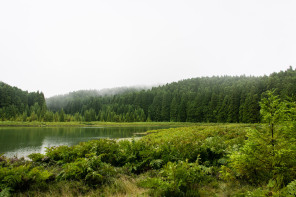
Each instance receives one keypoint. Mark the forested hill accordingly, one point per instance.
(205, 99)
(14, 101)
(58, 102)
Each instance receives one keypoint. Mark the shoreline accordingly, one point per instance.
(96, 124)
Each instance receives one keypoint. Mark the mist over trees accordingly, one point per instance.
(60, 101)
(232, 99)
(206, 99)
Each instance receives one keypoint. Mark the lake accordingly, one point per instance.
(22, 141)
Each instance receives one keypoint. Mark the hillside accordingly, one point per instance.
(232, 99)
(58, 102)
(203, 99)
(14, 101)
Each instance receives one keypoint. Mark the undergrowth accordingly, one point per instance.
(186, 161)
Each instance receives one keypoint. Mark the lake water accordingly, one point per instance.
(22, 141)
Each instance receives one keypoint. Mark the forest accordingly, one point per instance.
(16, 104)
(217, 99)
(202, 160)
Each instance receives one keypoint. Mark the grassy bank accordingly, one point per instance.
(183, 161)
(92, 124)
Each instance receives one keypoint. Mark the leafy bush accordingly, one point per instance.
(178, 179)
(91, 170)
(61, 154)
(66, 154)
(135, 155)
(23, 177)
(290, 189)
(5, 192)
(36, 157)
(210, 145)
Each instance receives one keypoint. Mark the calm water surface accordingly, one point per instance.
(22, 141)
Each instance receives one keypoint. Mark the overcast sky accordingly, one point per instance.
(59, 46)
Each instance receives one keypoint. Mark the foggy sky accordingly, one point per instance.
(60, 46)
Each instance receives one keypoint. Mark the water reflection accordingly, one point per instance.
(24, 141)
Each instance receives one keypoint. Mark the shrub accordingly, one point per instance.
(23, 177)
(268, 155)
(91, 170)
(178, 179)
(66, 154)
(36, 157)
(290, 189)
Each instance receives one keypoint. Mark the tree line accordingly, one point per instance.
(233, 99)
(16, 104)
(205, 160)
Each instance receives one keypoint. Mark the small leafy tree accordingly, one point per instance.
(268, 155)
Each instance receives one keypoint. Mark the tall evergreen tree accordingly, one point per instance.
(174, 110)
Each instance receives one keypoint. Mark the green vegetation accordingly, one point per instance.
(208, 99)
(268, 155)
(155, 164)
(95, 124)
(16, 104)
(203, 160)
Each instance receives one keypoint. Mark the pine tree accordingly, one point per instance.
(182, 115)
(268, 155)
(165, 107)
(174, 110)
(62, 115)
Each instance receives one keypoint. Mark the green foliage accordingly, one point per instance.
(290, 189)
(62, 115)
(16, 104)
(260, 160)
(259, 192)
(65, 154)
(5, 192)
(214, 99)
(268, 155)
(134, 155)
(16, 176)
(272, 109)
(177, 179)
(91, 170)
(36, 157)
(184, 161)
(210, 144)
(49, 116)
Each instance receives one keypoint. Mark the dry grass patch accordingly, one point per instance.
(124, 186)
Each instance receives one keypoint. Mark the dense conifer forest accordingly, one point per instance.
(22, 105)
(232, 99)
(206, 99)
